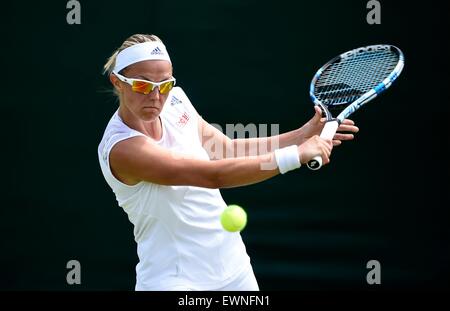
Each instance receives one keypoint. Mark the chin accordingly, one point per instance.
(151, 116)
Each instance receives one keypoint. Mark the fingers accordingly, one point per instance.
(316, 146)
(318, 114)
(318, 110)
(348, 128)
(339, 136)
(325, 157)
(348, 121)
(327, 145)
(336, 142)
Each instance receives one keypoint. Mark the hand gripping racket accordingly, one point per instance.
(350, 80)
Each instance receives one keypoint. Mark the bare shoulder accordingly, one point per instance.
(141, 159)
(128, 146)
(124, 154)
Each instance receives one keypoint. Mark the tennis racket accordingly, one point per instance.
(349, 81)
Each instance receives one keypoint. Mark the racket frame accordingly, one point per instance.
(330, 130)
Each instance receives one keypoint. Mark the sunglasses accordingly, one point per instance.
(146, 87)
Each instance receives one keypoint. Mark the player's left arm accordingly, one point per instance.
(220, 146)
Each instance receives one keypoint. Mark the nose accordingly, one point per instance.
(154, 94)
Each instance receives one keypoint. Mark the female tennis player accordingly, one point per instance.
(157, 156)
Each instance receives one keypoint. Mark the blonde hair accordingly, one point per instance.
(132, 40)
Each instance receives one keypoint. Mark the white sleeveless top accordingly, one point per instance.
(180, 241)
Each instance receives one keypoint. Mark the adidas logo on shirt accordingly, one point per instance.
(175, 101)
(157, 51)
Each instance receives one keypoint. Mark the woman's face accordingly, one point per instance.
(144, 107)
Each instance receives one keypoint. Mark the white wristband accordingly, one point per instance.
(287, 158)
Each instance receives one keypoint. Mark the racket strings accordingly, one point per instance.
(347, 79)
(365, 66)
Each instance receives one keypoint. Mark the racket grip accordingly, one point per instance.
(328, 132)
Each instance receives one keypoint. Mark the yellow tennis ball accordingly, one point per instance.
(233, 218)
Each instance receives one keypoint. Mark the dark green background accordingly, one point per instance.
(384, 196)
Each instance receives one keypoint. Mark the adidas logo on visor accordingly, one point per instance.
(157, 51)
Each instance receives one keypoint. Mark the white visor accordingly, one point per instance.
(151, 50)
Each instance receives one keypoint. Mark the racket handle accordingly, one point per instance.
(328, 132)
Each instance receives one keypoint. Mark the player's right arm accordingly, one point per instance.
(140, 159)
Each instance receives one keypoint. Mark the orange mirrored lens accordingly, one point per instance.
(147, 87)
(142, 87)
(166, 87)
